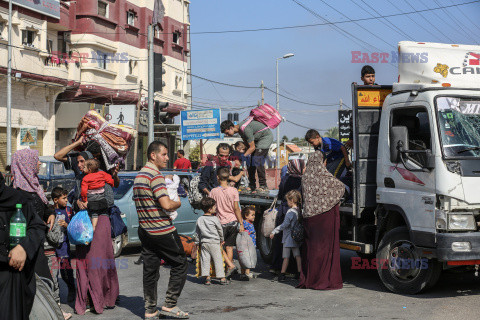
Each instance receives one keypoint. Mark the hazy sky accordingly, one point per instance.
(321, 71)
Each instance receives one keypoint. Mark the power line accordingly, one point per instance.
(458, 5)
(251, 87)
(463, 13)
(333, 23)
(454, 19)
(356, 23)
(419, 12)
(343, 32)
(299, 125)
(411, 19)
(395, 28)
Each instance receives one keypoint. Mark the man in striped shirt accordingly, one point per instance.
(158, 235)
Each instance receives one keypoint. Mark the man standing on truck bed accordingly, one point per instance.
(258, 138)
(334, 152)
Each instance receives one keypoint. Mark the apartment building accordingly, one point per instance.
(86, 54)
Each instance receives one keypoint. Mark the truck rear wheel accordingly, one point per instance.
(400, 268)
(264, 244)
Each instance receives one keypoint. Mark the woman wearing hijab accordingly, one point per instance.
(321, 250)
(291, 181)
(96, 273)
(17, 266)
(25, 167)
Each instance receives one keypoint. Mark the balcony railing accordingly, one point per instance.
(55, 61)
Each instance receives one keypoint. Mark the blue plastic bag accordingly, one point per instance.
(80, 229)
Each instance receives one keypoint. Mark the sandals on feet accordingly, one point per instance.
(175, 313)
(154, 317)
(223, 282)
(231, 272)
(208, 282)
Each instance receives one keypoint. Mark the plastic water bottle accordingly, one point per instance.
(18, 227)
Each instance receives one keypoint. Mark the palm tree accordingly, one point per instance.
(332, 133)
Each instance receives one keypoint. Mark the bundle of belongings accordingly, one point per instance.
(115, 140)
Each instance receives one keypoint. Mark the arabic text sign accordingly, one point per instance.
(344, 120)
(200, 124)
(372, 98)
(49, 8)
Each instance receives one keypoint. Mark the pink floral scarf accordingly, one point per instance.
(25, 172)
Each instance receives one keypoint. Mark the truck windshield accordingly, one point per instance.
(459, 125)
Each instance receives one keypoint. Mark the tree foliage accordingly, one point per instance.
(195, 154)
(332, 133)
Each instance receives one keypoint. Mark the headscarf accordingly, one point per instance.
(295, 167)
(321, 190)
(24, 170)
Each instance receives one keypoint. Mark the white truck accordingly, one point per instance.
(416, 169)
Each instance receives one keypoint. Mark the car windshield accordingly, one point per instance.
(459, 125)
(125, 185)
(43, 169)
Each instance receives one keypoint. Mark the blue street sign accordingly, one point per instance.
(200, 124)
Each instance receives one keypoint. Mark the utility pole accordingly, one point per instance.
(137, 124)
(341, 104)
(9, 86)
(263, 94)
(151, 81)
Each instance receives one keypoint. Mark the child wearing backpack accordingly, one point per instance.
(294, 200)
(210, 238)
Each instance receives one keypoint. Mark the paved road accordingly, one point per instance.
(456, 296)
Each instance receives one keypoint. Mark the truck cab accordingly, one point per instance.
(416, 167)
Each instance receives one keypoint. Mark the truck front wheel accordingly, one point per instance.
(400, 268)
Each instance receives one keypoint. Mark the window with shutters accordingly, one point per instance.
(103, 9)
(131, 18)
(49, 46)
(2, 28)
(28, 38)
(102, 60)
(176, 37)
(61, 43)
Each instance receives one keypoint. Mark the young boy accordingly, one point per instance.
(210, 238)
(93, 189)
(228, 211)
(248, 215)
(368, 75)
(333, 150)
(62, 218)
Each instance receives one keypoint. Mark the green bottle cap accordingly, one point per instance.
(18, 206)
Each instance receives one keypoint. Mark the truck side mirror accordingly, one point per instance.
(430, 161)
(398, 136)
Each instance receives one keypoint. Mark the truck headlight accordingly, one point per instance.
(440, 219)
(461, 221)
